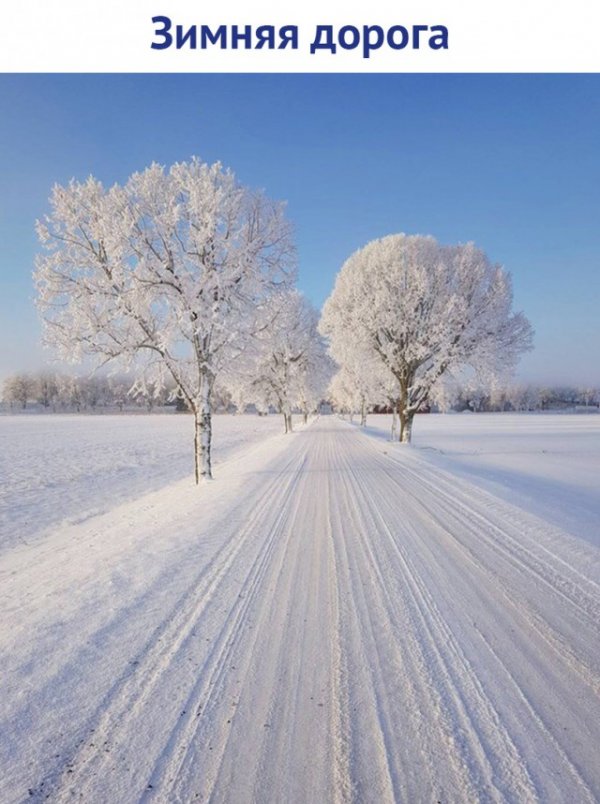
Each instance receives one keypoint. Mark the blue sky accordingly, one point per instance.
(511, 162)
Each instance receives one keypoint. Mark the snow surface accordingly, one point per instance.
(66, 468)
(334, 619)
(547, 463)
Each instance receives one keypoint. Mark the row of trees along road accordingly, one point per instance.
(183, 276)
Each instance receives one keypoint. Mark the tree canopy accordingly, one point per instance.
(166, 274)
(424, 310)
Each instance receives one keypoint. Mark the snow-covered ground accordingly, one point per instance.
(65, 468)
(548, 464)
(334, 619)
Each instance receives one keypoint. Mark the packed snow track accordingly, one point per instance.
(331, 620)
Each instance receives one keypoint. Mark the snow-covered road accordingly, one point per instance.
(332, 620)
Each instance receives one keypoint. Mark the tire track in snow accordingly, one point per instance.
(442, 504)
(373, 752)
(422, 503)
(472, 724)
(341, 716)
(503, 610)
(289, 707)
(176, 770)
(515, 596)
(454, 520)
(469, 724)
(558, 572)
(108, 730)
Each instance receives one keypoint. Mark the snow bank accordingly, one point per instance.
(65, 469)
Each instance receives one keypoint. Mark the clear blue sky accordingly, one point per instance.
(511, 162)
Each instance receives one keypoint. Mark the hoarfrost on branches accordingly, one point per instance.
(357, 385)
(166, 274)
(425, 311)
(289, 366)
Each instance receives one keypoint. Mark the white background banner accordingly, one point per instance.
(111, 36)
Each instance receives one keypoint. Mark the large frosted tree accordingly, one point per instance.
(166, 274)
(425, 310)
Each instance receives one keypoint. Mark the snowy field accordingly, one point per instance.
(547, 463)
(334, 619)
(66, 468)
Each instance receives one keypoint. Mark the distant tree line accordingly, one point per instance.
(55, 392)
(60, 392)
(277, 385)
(500, 399)
(521, 398)
(471, 397)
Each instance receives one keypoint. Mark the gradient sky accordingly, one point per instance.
(511, 162)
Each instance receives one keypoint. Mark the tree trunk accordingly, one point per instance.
(203, 434)
(363, 413)
(404, 412)
(305, 416)
(394, 421)
(406, 420)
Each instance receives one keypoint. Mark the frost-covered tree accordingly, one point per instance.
(522, 397)
(221, 397)
(314, 376)
(386, 392)
(445, 394)
(164, 275)
(478, 397)
(361, 374)
(94, 391)
(46, 389)
(118, 391)
(342, 393)
(239, 393)
(18, 389)
(70, 392)
(589, 396)
(426, 310)
(287, 351)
